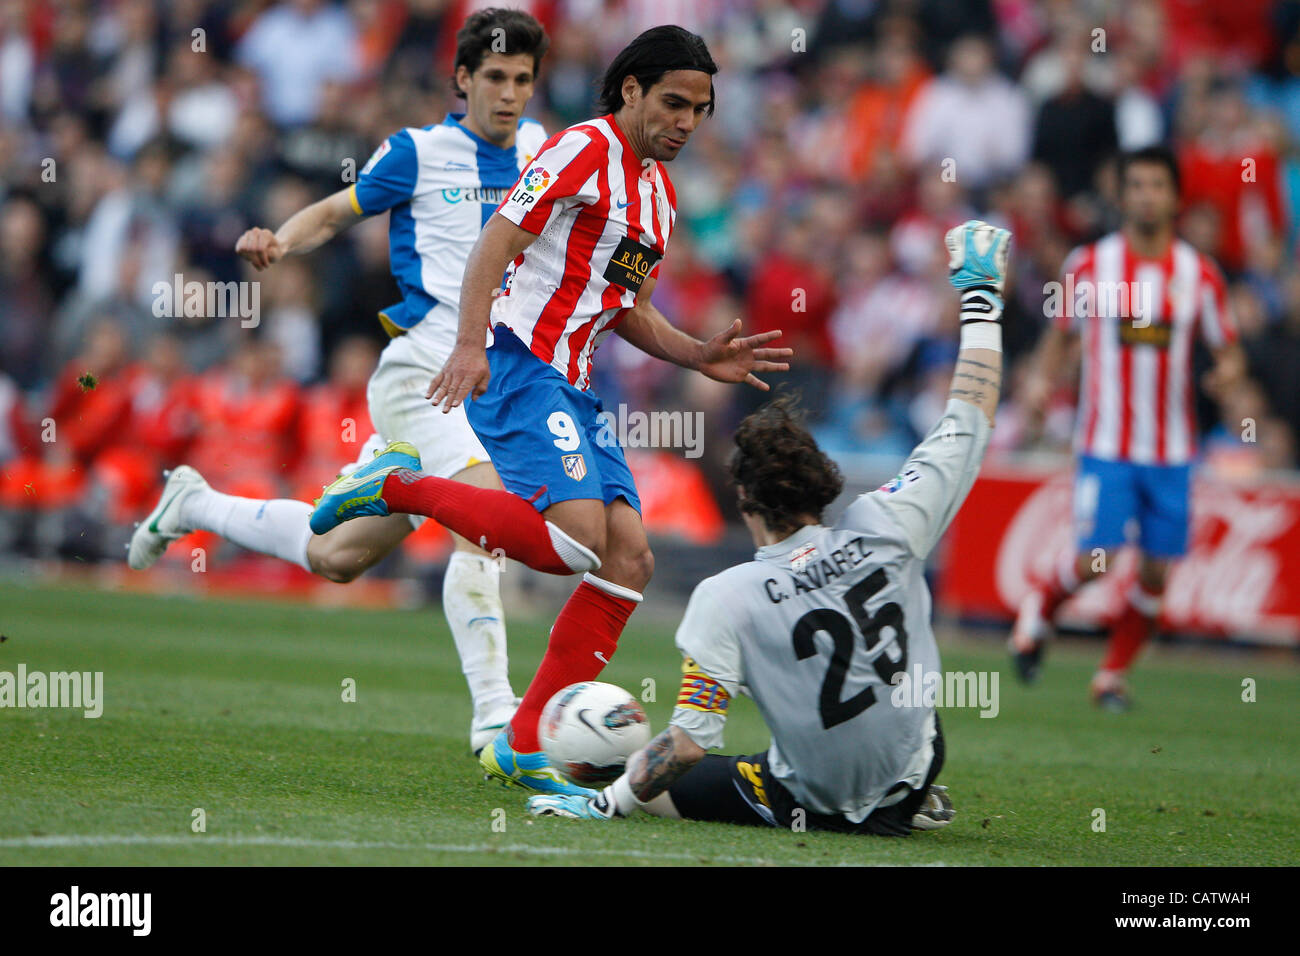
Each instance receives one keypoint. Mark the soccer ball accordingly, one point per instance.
(588, 731)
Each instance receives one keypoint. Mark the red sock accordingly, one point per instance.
(1131, 631)
(489, 517)
(582, 641)
(1063, 582)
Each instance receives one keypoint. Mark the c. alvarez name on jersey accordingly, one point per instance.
(813, 572)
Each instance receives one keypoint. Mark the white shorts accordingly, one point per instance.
(400, 412)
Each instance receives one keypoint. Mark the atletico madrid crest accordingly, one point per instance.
(574, 467)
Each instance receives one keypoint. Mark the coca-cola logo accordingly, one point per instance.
(1234, 572)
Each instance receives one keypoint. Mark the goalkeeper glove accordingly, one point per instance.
(977, 268)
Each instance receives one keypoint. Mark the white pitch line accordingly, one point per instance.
(92, 840)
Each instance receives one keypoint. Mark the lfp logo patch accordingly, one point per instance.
(898, 481)
(376, 156)
(536, 179)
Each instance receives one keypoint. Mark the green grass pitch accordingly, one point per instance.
(236, 708)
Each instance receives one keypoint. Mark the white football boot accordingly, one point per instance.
(484, 728)
(163, 526)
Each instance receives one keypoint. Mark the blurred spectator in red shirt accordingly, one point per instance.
(1237, 32)
(1232, 166)
(795, 293)
(247, 423)
(877, 111)
(881, 317)
(940, 205)
(793, 289)
(89, 410)
(155, 436)
(162, 405)
(334, 422)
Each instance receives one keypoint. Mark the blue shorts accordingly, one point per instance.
(546, 438)
(1110, 494)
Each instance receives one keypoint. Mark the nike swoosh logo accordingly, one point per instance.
(623, 205)
(582, 717)
(600, 657)
(153, 525)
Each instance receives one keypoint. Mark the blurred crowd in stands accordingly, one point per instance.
(139, 139)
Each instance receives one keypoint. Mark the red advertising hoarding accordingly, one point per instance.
(1240, 579)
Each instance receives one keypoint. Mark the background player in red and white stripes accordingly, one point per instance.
(1137, 300)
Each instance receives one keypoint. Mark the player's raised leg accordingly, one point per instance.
(277, 527)
(534, 425)
(496, 519)
(587, 630)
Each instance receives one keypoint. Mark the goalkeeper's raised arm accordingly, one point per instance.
(939, 473)
(977, 267)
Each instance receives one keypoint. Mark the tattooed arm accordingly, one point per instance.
(653, 770)
(934, 482)
(644, 786)
(977, 379)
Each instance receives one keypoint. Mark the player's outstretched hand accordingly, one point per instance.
(259, 247)
(466, 372)
(726, 358)
(977, 256)
(977, 268)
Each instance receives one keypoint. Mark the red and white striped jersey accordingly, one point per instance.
(602, 220)
(1138, 319)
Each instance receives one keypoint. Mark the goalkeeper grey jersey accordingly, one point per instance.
(816, 627)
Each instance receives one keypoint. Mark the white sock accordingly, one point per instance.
(277, 527)
(471, 599)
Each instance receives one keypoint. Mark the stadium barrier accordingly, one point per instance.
(1240, 580)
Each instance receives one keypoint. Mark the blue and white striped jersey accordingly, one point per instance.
(440, 184)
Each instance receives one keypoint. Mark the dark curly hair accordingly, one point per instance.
(780, 470)
(513, 31)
